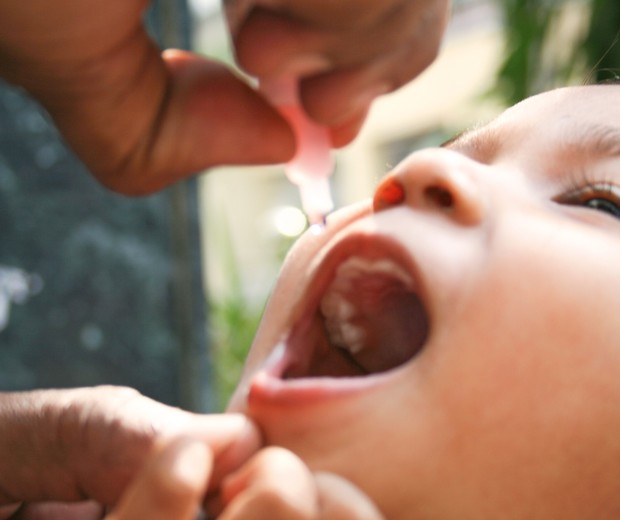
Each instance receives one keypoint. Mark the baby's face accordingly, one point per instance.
(454, 349)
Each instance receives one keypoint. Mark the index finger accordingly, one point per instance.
(232, 438)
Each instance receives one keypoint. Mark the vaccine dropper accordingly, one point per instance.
(312, 164)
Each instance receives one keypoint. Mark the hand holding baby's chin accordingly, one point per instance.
(98, 443)
(275, 483)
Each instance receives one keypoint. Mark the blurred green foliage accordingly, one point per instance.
(536, 58)
(233, 325)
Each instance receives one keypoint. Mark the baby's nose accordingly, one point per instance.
(435, 180)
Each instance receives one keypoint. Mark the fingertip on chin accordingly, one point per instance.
(246, 443)
(249, 441)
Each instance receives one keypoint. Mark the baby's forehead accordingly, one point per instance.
(588, 114)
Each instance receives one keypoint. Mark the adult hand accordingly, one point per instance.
(276, 484)
(139, 120)
(74, 445)
(347, 52)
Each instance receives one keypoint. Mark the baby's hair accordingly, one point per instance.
(614, 76)
(596, 71)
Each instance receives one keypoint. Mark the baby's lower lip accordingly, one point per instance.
(268, 388)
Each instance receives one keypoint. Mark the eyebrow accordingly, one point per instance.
(481, 141)
(597, 139)
(454, 139)
(458, 137)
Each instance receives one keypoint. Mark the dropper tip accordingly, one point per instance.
(318, 224)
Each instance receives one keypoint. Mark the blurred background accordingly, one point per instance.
(164, 293)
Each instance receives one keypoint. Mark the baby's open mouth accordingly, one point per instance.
(368, 318)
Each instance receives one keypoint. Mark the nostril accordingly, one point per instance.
(389, 193)
(440, 197)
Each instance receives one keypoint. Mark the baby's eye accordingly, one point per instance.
(599, 196)
(604, 205)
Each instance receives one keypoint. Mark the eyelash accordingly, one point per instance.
(600, 195)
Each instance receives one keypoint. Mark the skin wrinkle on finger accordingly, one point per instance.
(86, 428)
(210, 104)
(206, 103)
(143, 146)
(29, 415)
(140, 90)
